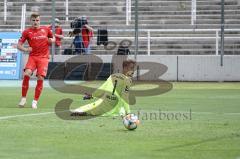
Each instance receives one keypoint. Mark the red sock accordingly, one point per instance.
(38, 89)
(25, 85)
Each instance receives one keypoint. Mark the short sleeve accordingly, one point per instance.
(24, 37)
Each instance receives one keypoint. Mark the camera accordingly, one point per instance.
(78, 23)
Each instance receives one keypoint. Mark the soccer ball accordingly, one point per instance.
(131, 121)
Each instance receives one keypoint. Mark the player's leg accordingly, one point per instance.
(100, 106)
(30, 66)
(25, 86)
(88, 107)
(42, 66)
(38, 91)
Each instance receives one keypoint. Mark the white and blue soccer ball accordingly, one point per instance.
(131, 121)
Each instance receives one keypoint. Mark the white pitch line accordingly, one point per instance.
(142, 111)
(24, 115)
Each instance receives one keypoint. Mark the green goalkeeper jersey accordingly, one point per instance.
(115, 93)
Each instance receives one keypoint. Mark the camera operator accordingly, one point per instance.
(83, 35)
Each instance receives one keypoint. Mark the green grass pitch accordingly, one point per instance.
(192, 121)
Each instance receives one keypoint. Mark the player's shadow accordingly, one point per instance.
(230, 136)
(124, 130)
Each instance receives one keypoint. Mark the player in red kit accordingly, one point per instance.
(38, 38)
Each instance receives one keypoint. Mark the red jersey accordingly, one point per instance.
(58, 30)
(86, 36)
(38, 40)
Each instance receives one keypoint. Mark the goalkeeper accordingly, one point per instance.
(112, 96)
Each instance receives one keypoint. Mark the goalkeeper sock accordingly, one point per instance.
(25, 85)
(38, 89)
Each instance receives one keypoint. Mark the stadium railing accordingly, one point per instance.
(148, 35)
(189, 32)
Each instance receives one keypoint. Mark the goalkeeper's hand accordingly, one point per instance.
(123, 113)
(87, 96)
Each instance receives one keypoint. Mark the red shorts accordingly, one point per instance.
(39, 63)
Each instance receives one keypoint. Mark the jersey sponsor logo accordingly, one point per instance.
(43, 31)
(39, 37)
(111, 97)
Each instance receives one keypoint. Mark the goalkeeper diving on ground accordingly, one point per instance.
(112, 97)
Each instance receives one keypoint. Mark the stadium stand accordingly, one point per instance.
(164, 26)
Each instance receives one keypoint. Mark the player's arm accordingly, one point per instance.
(51, 40)
(125, 101)
(126, 107)
(22, 48)
(21, 42)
